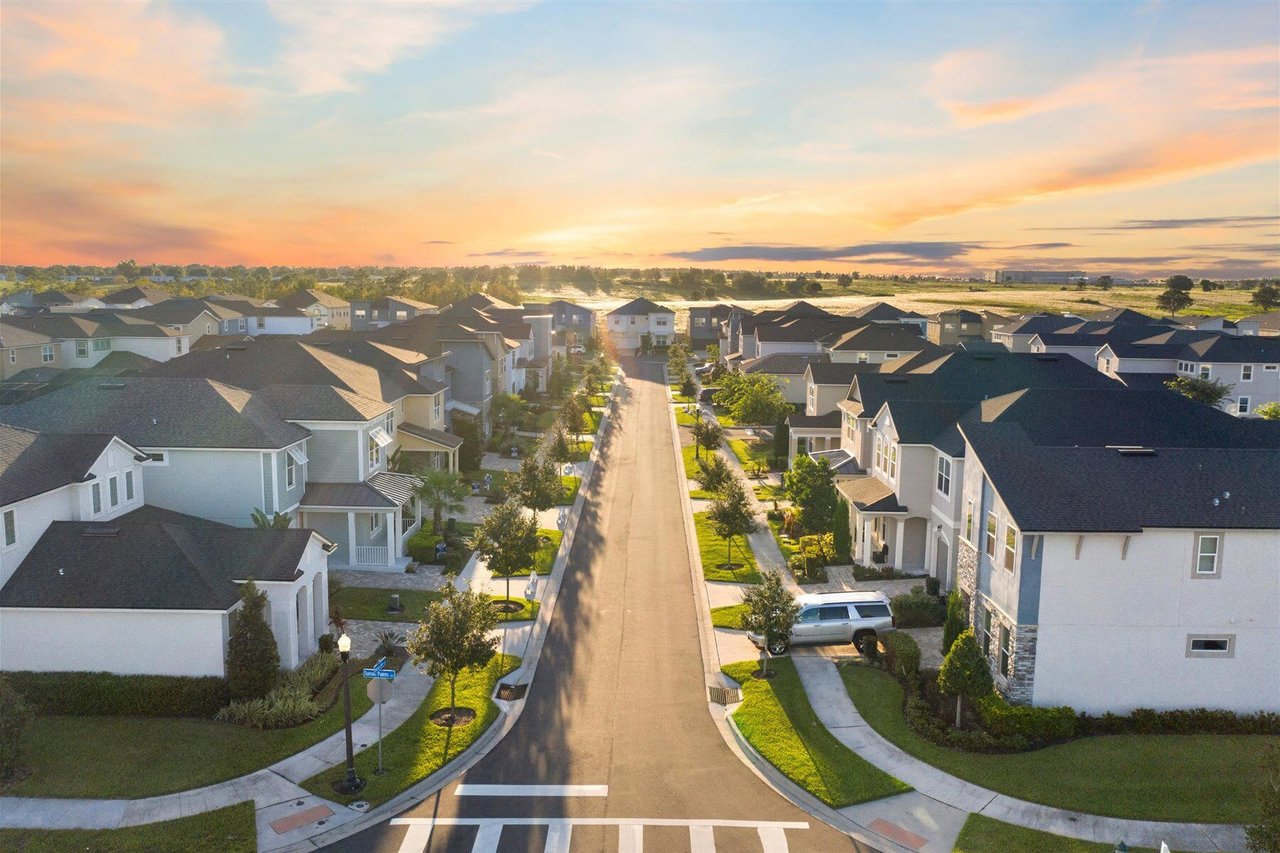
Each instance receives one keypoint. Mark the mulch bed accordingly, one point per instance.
(449, 717)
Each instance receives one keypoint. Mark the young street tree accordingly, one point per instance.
(1207, 391)
(572, 411)
(1269, 411)
(730, 515)
(1174, 300)
(964, 673)
(442, 491)
(508, 541)
(713, 474)
(811, 487)
(537, 484)
(771, 612)
(707, 435)
(954, 624)
(454, 636)
(252, 657)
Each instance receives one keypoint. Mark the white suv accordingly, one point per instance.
(835, 617)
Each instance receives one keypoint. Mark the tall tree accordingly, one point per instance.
(454, 636)
(811, 487)
(771, 613)
(252, 657)
(508, 541)
(760, 401)
(1207, 391)
(964, 673)
(471, 452)
(730, 515)
(442, 491)
(537, 484)
(1179, 282)
(1174, 300)
(841, 536)
(572, 411)
(1105, 282)
(504, 412)
(1266, 297)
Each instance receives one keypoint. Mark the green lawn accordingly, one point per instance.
(499, 477)
(419, 747)
(723, 416)
(598, 400)
(729, 616)
(983, 834)
(788, 547)
(776, 719)
(714, 552)
(756, 450)
(226, 830)
(1201, 778)
(683, 418)
(369, 603)
(178, 753)
(547, 549)
(690, 461)
(766, 492)
(570, 484)
(677, 397)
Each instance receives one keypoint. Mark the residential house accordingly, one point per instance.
(787, 369)
(44, 301)
(628, 324)
(1267, 325)
(23, 349)
(374, 314)
(137, 296)
(1137, 524)
(706, 325)
(876, 344)
(328, 311)
(948, 328)
(1016, 333)
(571, 324)
(255, 317)
(86, 339)
(884, 313)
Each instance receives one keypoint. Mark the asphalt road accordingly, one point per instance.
(619, 698)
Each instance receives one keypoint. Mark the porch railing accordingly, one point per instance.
(369, 555)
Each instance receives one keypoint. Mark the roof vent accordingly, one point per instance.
(101, 530)
(1046, 356)
(111, 386)
(984, 356)
(1132, 450)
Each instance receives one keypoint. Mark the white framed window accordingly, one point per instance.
(128, 485)
(1106, 365)
(993, 526)
(46, 354)
(13, 356)
(262, 322)
(1246, 373)
(374, 522)
(944, 476)
(243, 324)
(1211, 645)
(113, 488)
(1006, 650)
(1208, 560)
(986, 632)
(391, 422)
(101, 344)
(1010, 546)
(1242, 405)
(893, 461)
(10, 528)
(82, 349)
(968, 522)
(290, 471)
(1205, 370)
(208, 328)
(97, 498)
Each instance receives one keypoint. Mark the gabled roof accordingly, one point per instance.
(840, 372)
(179, 310)
(879, 338)
(783, 363)
(640, 306)
(321, 403)
(806, 328)
(32, 463)
(827, 420)
(870, 495)
(1032, 324)
(129, 295)
(883, 312)
(98, 324)
(384, 490)
(1124, 316)
(151, 559)
(22, 336)
(148, 411)
(962, 314)
(447, 439)
(923, 421)
(302, 299)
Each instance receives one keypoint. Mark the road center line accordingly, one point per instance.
(465, 790)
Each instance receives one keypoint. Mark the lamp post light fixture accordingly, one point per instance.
(351, 784)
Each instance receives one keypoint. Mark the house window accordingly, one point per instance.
(10, 529)
(1205, 370)
(1006, 650)
(968, 523)
(97, 498)
(46, 354)
(178, 342)
(82, 349)
(13, 356)
(208, 328)
(243, 324)
(893, 461)
(889, 356)
(992, 524)
(1242, 405)
(1010, 546)
(128, 485)
(101, 344)
(262, 322)
(391, 422)
(113, 486)
(986, 632)
(290, 471)
(1246, 373)
(1106, 365)
(944, 475)
(633, 321)
(374, 523)
(1211, 645)
(1208, 554)
(437, 408)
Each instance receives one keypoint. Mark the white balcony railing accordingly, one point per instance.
(369, 555)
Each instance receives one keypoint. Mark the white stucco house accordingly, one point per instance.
(627, 323)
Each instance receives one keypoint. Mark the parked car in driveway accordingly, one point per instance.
(835, 617)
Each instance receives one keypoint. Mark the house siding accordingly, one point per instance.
(223, 485)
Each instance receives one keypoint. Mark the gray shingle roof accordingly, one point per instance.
(783, 363)
(150, 559)
(840, 372)
(33, 463)
(447, 439)
(321, 403)
(150, 411)
(870, 495)
(301, 299)
(384, 490)
(829, 420)
(640, 306)
(878, 337)
(883, 312)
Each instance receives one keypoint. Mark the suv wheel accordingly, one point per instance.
(778, 646)
(862, 638)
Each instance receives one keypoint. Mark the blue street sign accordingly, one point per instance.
(382, 664)
(380, 673)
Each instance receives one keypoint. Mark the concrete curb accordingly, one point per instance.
(509, 712)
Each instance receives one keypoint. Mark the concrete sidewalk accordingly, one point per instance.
(938, 807)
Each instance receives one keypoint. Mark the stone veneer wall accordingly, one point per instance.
(967, 577)
(1018, 687)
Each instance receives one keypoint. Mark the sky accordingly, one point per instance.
(947, 137)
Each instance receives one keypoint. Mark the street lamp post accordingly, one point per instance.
(351, 784)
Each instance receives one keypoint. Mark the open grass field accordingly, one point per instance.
(776, 718)
(1202, 778)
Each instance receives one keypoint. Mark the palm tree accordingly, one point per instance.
(276, 521)
(441, 490)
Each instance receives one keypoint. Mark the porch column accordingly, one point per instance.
(351, 539)
(864, 553)
(393, 536)
(899, 541)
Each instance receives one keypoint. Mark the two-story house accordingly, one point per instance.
(706, 325)
(628, 324)
(1146, 532)
(884, 313)
(374, 314)
(86, 339)
(328, 311)
(1015, 334)
(136, 296)
(949, 328)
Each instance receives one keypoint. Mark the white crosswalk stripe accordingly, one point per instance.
(702, 836)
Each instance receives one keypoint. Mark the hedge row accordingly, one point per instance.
(102, 694)
(1035, 724)
(917, 609)
(1190, 721)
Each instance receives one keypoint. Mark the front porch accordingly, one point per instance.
(370, 522)
(883, 530)
(428, 448)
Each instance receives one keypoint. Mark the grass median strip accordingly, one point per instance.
(749, 452)
(225, 830)
(729, 616)
(776, 719)
(569, 483)
(1126, 776)
(714, 553)
(983, 834)
(419, 747)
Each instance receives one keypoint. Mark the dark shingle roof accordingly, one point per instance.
(806, 328)
(151, 559)
(447, 439)
(1036, 323)
(641, 306)
(33, 463)
(881, 338)
(829, 420)
(1125, 316)
(128, 295)
(840, 372)
(321, 403)
(870, 495)
(384, 490)
(301, 299)
(883, 312)
(150, 411)
(782, 363)
(921, 421)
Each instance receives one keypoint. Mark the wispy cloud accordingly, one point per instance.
(932, 251)
(1036, 247)
(507, 253)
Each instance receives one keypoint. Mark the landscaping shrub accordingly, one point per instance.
(327, 643)
(921, 718)
(901, 655)
(1181, 722)
(252, 657)
(1038, 725)
(104, 694)
(917, 610)
(315, 671)
(455, 560)
(422, 546)
(288, 704)
(15, 716)
(931, 586)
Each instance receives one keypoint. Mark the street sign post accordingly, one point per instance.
(379, 690)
